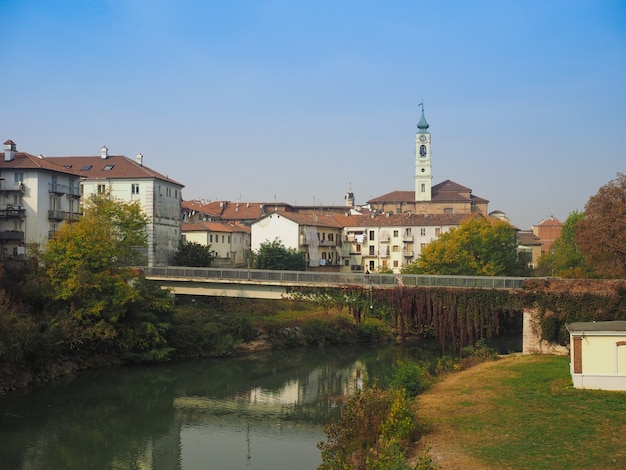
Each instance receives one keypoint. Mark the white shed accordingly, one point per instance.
(598, 355)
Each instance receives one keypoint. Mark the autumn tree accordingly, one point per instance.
(478, 247)
(601, 234)
(87, 268)
(193, 254)
(566, 259)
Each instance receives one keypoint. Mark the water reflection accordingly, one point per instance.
(263, 412)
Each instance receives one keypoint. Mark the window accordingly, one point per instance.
(395, 263)
(358, 248)
(330, 237)
(108, 167)
(228, 238)
(423, 232)
(437, 231)
(448, 210)
(423, 188)
(85, 167)
(371, 235)
(134, 188)
(395, 248)
(18, 177)
(407, 231)
(395, 233)
(372, 250)
(211, 238)
(371, 265)
(102, 188)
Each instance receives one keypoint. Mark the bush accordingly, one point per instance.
(480, 352)
(412, 377)
(374, 431)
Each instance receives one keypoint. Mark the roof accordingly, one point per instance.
(313, 220)
(210, 208)
(599, 326)
(446, 191)
(528, 238)
(111, 167)
(213, 227)
(407, 220)
(26, 161)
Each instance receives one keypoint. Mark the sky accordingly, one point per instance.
(299, 101)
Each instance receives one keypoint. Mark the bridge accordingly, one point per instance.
(269, 284)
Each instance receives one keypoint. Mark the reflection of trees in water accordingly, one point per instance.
(112, 418)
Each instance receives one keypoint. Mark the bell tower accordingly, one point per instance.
(423, 166)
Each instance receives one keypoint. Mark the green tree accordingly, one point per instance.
(601, 234)
(478, 247)
(193, 254)
(274, 255)
(87, 269)
(566, 259)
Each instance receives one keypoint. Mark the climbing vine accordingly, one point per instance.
(456, 317)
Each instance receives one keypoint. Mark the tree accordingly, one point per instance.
(193, 254)
(274, 255)
(601, 235)
(477, 247)
(566, 259)
(87, 269)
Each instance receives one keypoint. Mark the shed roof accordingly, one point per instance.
(597, 326)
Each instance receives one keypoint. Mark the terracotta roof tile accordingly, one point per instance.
(111, 167)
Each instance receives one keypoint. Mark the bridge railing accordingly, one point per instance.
(303, 277)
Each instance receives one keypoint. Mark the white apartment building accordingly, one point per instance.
(384, 242)
(129, 180)
(36, 196)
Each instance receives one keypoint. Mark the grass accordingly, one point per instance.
(522, 412)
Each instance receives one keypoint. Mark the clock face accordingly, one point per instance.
(422, 138)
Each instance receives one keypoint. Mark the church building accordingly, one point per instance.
(446, 197)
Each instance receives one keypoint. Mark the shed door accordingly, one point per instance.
(578, 355)
(621, 358)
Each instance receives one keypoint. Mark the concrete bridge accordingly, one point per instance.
(267, 284)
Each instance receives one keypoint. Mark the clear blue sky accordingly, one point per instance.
(295, 101)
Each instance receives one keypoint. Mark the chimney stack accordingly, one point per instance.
(9, 151)
(104, 152)
(139, 159)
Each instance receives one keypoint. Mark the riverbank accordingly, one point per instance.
(521, 412)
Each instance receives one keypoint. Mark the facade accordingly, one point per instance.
(598, 355)
(529, 246)
(130, 181)
(548, 231)
(317, 235)
(230, 242)
(36, 197)
(388, 242)
(447, 197)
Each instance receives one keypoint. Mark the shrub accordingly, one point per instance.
(373, 432)
(411, 376)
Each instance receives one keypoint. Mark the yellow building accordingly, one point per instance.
(598, 355)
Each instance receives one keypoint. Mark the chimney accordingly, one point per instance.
(9, 151)
(104, 152)
(139, 159)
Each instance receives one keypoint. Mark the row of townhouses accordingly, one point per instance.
(39, 193)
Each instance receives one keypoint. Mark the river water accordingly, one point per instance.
(263, 411)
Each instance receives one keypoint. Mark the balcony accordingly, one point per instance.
(11, 186)
(57, 188)
(56, 215)
(12, 213)
(11, 235)
(73, 191)
(407, 253)
(73, 216)
(407, 238)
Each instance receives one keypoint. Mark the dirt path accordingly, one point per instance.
(469, 392)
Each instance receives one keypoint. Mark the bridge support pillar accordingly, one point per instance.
(531, 337)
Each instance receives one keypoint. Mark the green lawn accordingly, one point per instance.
(523, 413)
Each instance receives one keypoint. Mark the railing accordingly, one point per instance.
(11, 186)
(305, 277)
(57, 188)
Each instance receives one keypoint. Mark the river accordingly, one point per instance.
(260, 411)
